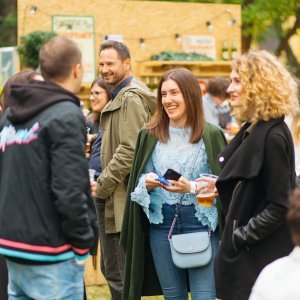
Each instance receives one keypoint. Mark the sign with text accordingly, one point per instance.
(81, 30)
(201, 44)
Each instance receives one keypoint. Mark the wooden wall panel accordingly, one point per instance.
(156, 22)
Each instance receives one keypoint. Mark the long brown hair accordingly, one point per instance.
(191, 92)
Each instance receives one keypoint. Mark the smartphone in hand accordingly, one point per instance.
(170, 174)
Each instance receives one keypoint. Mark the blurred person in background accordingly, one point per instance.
(216, 107)
(258, 174)
(280, 279)
(99, 95)
(21, 77)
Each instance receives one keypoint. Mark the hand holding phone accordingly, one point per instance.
(171, 175)
(163, 181)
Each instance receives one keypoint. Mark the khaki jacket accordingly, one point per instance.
(121, 121)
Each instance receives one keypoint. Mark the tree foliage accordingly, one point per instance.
(8, 23)
(31, 45)
(262, 17)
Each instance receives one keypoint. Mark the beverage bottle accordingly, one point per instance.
(225, 50)
(234, 52)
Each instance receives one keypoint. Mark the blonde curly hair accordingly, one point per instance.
(268, 89)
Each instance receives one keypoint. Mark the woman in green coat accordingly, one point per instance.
(178, 138)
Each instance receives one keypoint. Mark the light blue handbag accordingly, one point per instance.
(191, 250)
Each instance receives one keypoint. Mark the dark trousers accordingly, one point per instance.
(3, 279)
(112, 256)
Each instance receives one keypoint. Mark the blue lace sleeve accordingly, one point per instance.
(149, 201)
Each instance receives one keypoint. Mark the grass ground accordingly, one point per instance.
(101, 292)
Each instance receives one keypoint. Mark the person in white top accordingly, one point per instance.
(216, 108)
(280, 279)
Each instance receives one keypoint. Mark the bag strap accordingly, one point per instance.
(181, 198)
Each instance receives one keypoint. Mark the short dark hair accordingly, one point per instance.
(293, 215)
(57, 58)
(121, 48)
(191, 92)
(218, 86)
(21, 77)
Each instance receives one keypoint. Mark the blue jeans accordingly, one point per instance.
(59, 281)
(172, 279)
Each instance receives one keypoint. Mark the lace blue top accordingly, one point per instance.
(177, 154)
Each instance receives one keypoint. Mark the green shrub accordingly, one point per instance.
(31, 45)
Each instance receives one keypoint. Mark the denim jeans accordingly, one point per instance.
(112, 256)
(59, 281)
(174, 281)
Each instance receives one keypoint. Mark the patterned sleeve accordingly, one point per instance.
(140, 194)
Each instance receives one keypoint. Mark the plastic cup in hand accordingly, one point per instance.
(88, 144)
(92, 173)
(206, 195)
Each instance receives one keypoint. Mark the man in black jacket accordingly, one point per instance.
(47, 219)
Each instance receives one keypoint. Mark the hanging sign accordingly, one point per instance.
(81, 30)
(201, 44)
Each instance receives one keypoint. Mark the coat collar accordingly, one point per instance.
(243, 159)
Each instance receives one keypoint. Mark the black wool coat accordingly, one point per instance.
(257, 177)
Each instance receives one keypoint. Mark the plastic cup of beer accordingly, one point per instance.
(206, 195)
(87, 144)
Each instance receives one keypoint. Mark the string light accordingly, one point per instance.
(33, 10)
(69, 27)
(178, 38)
(209, 25)
(231, 22)
(142, 43)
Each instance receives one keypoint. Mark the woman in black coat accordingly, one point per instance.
(258, 173)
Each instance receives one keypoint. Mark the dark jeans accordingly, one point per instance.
(112, 256)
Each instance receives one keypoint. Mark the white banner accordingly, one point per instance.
(81, 30)
(201, 44)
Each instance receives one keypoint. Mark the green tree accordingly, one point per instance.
(31, 45)
(261, 17)
(8, 23)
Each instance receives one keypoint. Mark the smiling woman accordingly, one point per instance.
(99, 96)
(178, 138)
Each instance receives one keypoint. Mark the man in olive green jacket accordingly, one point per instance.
(122, 118)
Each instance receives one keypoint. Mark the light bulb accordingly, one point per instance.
(33, 10)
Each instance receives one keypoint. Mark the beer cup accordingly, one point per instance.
(206, 194)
